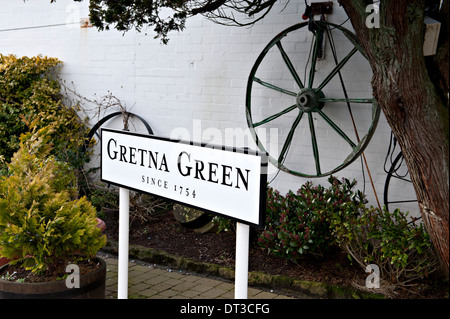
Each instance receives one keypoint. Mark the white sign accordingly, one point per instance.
(227, 182)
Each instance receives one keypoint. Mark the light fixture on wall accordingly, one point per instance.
(432, 28)
(85, 23)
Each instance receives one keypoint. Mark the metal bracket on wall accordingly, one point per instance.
(325, 7)
(85, 23)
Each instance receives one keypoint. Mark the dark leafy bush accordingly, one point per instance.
(299, 224)
(399, 247)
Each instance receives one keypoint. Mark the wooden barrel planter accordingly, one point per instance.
(92, 286)
(3, 261)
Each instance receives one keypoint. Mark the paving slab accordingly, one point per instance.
(150, 281)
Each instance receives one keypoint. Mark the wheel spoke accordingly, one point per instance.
(336, 69)
(336, 128)
(345, 100)
(289, 65)
(351, 37)
(273, 117)
(273, 87)
(288, 141)
(312, 71)
(403, 201)
(314, 143)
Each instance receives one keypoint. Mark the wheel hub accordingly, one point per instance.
(308, 100)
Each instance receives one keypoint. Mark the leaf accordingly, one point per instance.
(293, 244)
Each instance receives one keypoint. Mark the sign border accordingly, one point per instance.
(263, 175)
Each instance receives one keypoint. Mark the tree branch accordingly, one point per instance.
(209, 6)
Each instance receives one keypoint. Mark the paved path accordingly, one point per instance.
(149, 281)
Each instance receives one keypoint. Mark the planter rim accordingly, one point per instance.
(44, 287)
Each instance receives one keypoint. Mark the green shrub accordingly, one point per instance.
(299, 224)
(400, 248)
(41, 220)
(316, 218)
(30, 99)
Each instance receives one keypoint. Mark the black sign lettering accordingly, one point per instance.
(127, 154)
(189, 168)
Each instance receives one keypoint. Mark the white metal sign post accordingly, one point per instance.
(241, 268)
(222, 181)
(124, 219)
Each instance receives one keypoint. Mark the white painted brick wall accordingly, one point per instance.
(198, 79)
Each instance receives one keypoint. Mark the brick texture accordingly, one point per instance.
(201, 76)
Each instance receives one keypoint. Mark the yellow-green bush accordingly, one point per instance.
(42, 222)
(42, 219)
(30, 99)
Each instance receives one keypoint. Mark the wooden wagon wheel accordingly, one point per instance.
(306, 99)
(403, 176)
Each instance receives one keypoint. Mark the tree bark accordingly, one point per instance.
(415, 107)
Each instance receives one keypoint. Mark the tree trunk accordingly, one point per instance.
(414, 106)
